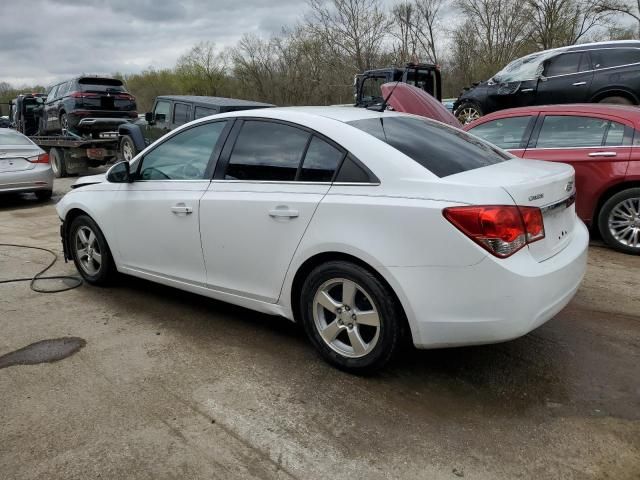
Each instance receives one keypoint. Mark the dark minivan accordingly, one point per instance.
(603, 72)
(87, 104)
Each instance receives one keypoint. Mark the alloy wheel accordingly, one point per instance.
(468, 115)
(624, 222)
(346, 318)
(88, 250)
(127, 151)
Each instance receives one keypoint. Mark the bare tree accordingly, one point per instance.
(353, 28)
(564, 22)
(428, 25)
(404, 16)
(630, 8)
(202, 69)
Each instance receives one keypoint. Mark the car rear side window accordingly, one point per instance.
(267, 151)
(11, 137)
(615, 135)
(441, 149)
(614, 57)
(184, 156)
(504, 132)
(181, 113)
(561, 131)
(320, 161)
(204, 112)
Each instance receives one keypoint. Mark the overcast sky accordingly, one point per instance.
(42, 41)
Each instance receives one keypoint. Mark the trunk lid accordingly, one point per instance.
(13, 158)
(549, 186)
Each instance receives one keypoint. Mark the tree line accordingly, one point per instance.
(314, 61)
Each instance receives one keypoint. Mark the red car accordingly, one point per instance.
(601, 142)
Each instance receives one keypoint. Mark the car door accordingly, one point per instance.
(160, 123)
(265, 191)
(50, 110)
(598, 148)
(157, 220)
(566, 78)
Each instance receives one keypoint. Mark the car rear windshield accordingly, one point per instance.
(11, 137)
(441, 149)
(101, 85)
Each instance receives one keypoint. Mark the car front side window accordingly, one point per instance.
(161, 112)
(563, 64)
(184, 156)
(505, 133)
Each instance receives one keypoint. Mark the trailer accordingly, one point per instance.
(69, 153)
(72, 154)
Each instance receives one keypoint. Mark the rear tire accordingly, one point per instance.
(44, 195)
(57, 163)
(619, 221)
(350, 316)
(90, 251)
(64, 123)
(127, 148)
(467, 112)
(616, 100)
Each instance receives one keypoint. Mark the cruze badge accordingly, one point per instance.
(569, 186)
(536, 197)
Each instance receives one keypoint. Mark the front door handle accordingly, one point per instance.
(283, 211)
(181, 209)
(526, 90)
(603, 154)
(577, 84)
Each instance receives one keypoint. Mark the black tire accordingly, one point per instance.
(616, 100)
(465, 112)
(105, 270)
(128, 148)
(57, 163)
(626, 242)
(44, 195)
(378, 297)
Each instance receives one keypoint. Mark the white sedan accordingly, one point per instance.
(364, 226)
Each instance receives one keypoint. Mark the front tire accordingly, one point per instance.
(616, 100)
(350, 316)
(127, 148)
(619, 221)
(90, 251)
(467, 112)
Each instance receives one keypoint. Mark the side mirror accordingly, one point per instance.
(148, 117)
(120, 173)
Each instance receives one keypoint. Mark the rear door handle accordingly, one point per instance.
(181, 209)
(603, 154)
(577, 84)
(283, 212)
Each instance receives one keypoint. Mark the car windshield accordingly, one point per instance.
(101, 85)
(11, 137)
(441, 149)
(525, 68)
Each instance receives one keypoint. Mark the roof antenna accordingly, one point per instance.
(383, 105)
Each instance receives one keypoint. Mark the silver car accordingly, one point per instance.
(24, 166)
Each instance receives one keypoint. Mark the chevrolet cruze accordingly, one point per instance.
(364, 226)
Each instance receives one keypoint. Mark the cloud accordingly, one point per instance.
(44, 41)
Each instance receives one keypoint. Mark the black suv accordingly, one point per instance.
(171, 111)
(87, 104)
(605, 72)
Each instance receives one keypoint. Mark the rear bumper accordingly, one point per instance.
(99, 124)
(492, 301)
(38, 178)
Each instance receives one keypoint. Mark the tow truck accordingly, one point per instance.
(69, 153)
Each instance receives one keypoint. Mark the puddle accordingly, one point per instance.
(44, 351)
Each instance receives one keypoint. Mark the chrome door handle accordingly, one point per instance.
(526, 90)
(603, 154)
(181, 208)
(577, 84)
(283, 212)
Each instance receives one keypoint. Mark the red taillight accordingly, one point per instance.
(500, 229)
(42, 158)
(84, 95)
(124, 96)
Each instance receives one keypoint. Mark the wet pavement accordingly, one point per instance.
(172, 385)
(44, 351)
